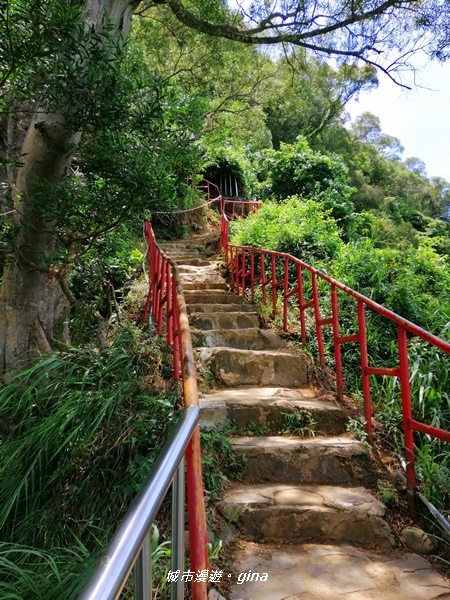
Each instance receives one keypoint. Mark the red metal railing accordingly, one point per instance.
(232, 208)
(270, 270)
(166, 302)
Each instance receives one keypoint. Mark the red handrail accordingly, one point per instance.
(232, 208)
(241, 261)
(166, 301)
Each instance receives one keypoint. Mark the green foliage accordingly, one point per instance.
(228, 80)
(412, 284)
(387, 493)
(80, 423)
(28, 573)
(295, 169)
(100, 277)
(31, 44)
(356, 428)
(303, 228)
(401, 190)
(219, 461)
(307, 95)
(232, 161)
(298, 422)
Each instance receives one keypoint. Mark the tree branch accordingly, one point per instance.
(359, 44)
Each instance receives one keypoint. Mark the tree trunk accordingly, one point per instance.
(30, 296)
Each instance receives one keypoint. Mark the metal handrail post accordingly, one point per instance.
(142, 572)
(177, 562)
(108, 579)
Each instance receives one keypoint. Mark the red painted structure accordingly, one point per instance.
(168, 311)
(249, 267)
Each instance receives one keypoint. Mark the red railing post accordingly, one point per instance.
(273, 279)
(263, 277)
(252, 273)
(364, 369)
(301, 303)
(233, 254)
(285, 293)
(161, 285)
(337, 344)
(243, 274)
(169, 307)
(198, 537)
(177, 340)
(407, 418)
(317, 316)
(158, 288)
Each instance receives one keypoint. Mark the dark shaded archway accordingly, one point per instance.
(228, 178)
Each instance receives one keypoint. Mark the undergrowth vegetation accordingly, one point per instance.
(81, 431)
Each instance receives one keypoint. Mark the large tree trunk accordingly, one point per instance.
(30, 296)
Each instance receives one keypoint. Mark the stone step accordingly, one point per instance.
(294, 513)
(209, 268)
(328, 572)
(188, 250)
(194, 261)
(204, 238)
(223, 308)
(244, 339)
(224, 320)
(182, 257)
(208, 274)
(232, 367)
(216, 286)
(212, 297)
(175, 249)
(267, 406)
(325, 460)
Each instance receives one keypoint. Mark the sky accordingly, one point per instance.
(420, 118)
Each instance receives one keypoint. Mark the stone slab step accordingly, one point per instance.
(183, 252)
(180, 247)
(200, 274)
(232, 367)
(212, 297)
(278, 512)
(328, 572)
(211, 267)
(268, 406)
(205, 285)
(224, 320)
(223, 308)
(203, 238)
(244, 339)
(193, 261)
(325, 460)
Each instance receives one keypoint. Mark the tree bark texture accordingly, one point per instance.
(30, 295)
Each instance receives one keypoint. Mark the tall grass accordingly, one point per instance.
(84, 430)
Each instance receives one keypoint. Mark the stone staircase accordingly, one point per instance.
(304, 514)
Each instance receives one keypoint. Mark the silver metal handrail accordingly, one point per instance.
(131, 544)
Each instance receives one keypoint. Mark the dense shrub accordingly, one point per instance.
(303, 228)
(295, 169)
